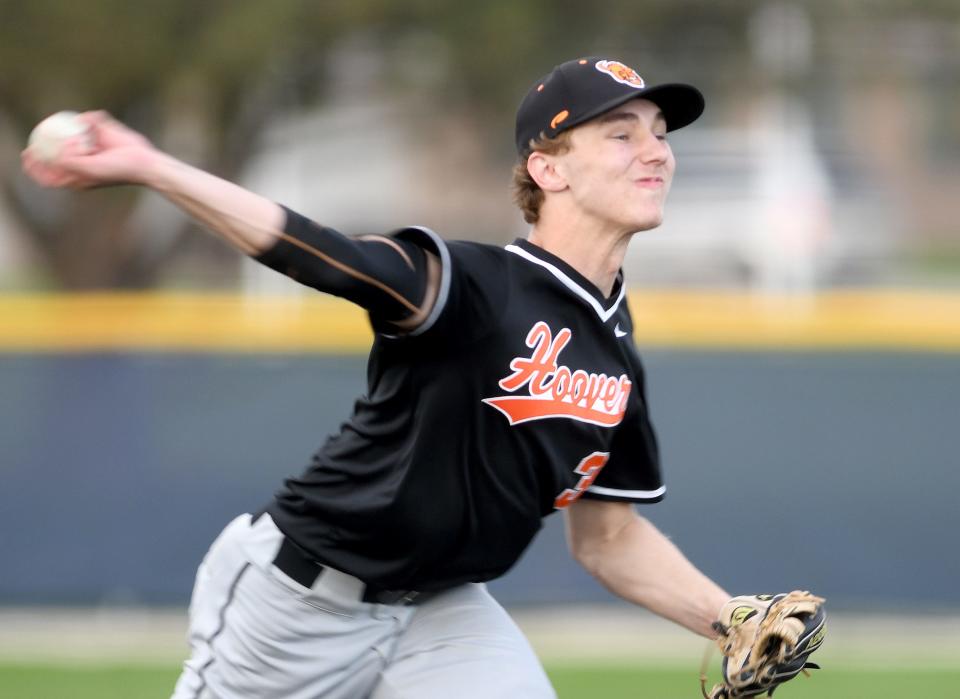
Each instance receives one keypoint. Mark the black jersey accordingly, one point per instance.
(521, 392)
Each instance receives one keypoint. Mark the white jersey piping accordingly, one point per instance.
(646, 494)
(570, 284)
(444, 291)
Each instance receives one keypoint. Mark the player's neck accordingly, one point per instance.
(597, 255)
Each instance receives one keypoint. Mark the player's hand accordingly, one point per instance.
(765, 640)
(111, 153)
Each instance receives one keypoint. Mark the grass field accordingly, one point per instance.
(43, 681)
(608, 652)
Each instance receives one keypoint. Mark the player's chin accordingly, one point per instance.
(648, 222)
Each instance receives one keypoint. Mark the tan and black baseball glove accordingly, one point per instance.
(765, 640)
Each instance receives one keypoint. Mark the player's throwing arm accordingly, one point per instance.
(92, 149)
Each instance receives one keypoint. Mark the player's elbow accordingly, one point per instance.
(595, 531)
(590, 559)
(581, 548)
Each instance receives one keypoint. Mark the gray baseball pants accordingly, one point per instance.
(256, 633)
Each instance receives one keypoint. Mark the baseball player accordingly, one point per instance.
(503, 386)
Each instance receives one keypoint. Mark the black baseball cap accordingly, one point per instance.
(581, 89)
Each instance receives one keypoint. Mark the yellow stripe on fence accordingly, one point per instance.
(181, 322)
(893, 320)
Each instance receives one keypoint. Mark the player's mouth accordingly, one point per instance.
(649, 182)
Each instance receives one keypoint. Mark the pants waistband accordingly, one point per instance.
(298, 565)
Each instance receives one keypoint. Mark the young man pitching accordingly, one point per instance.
(504, 385)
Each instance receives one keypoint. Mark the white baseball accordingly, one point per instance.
(49, 136)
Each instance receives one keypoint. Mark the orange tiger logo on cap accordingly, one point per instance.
(620, 72)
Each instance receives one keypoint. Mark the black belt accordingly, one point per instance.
(296, 564)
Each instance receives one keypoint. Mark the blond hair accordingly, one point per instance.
(527, 193)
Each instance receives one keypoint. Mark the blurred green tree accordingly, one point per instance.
(203, 77)
(195, 76)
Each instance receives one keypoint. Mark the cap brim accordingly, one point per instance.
(681, 104)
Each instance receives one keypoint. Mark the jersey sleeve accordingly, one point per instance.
(386, 275)
(411, 282)
(428, 242)
(632, 473)
(473, 290)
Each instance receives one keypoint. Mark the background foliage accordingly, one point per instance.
(203, 79)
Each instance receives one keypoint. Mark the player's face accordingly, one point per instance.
(619, 167)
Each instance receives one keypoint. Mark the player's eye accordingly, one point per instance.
(622, 136)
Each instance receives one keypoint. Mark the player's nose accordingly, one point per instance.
(653, 148)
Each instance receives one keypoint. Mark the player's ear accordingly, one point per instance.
(543, 170)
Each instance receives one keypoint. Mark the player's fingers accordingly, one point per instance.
(97, 117)
(42, 168)
(103, 129)
(36, 169)
(51, 174)
(47, 177)
(100, 124)
(107, 132)
(76, 146)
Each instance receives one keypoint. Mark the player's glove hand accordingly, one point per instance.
(766, 640)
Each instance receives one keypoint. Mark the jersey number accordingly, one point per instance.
(589, 469)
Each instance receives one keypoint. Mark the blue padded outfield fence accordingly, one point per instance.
(830, 465)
